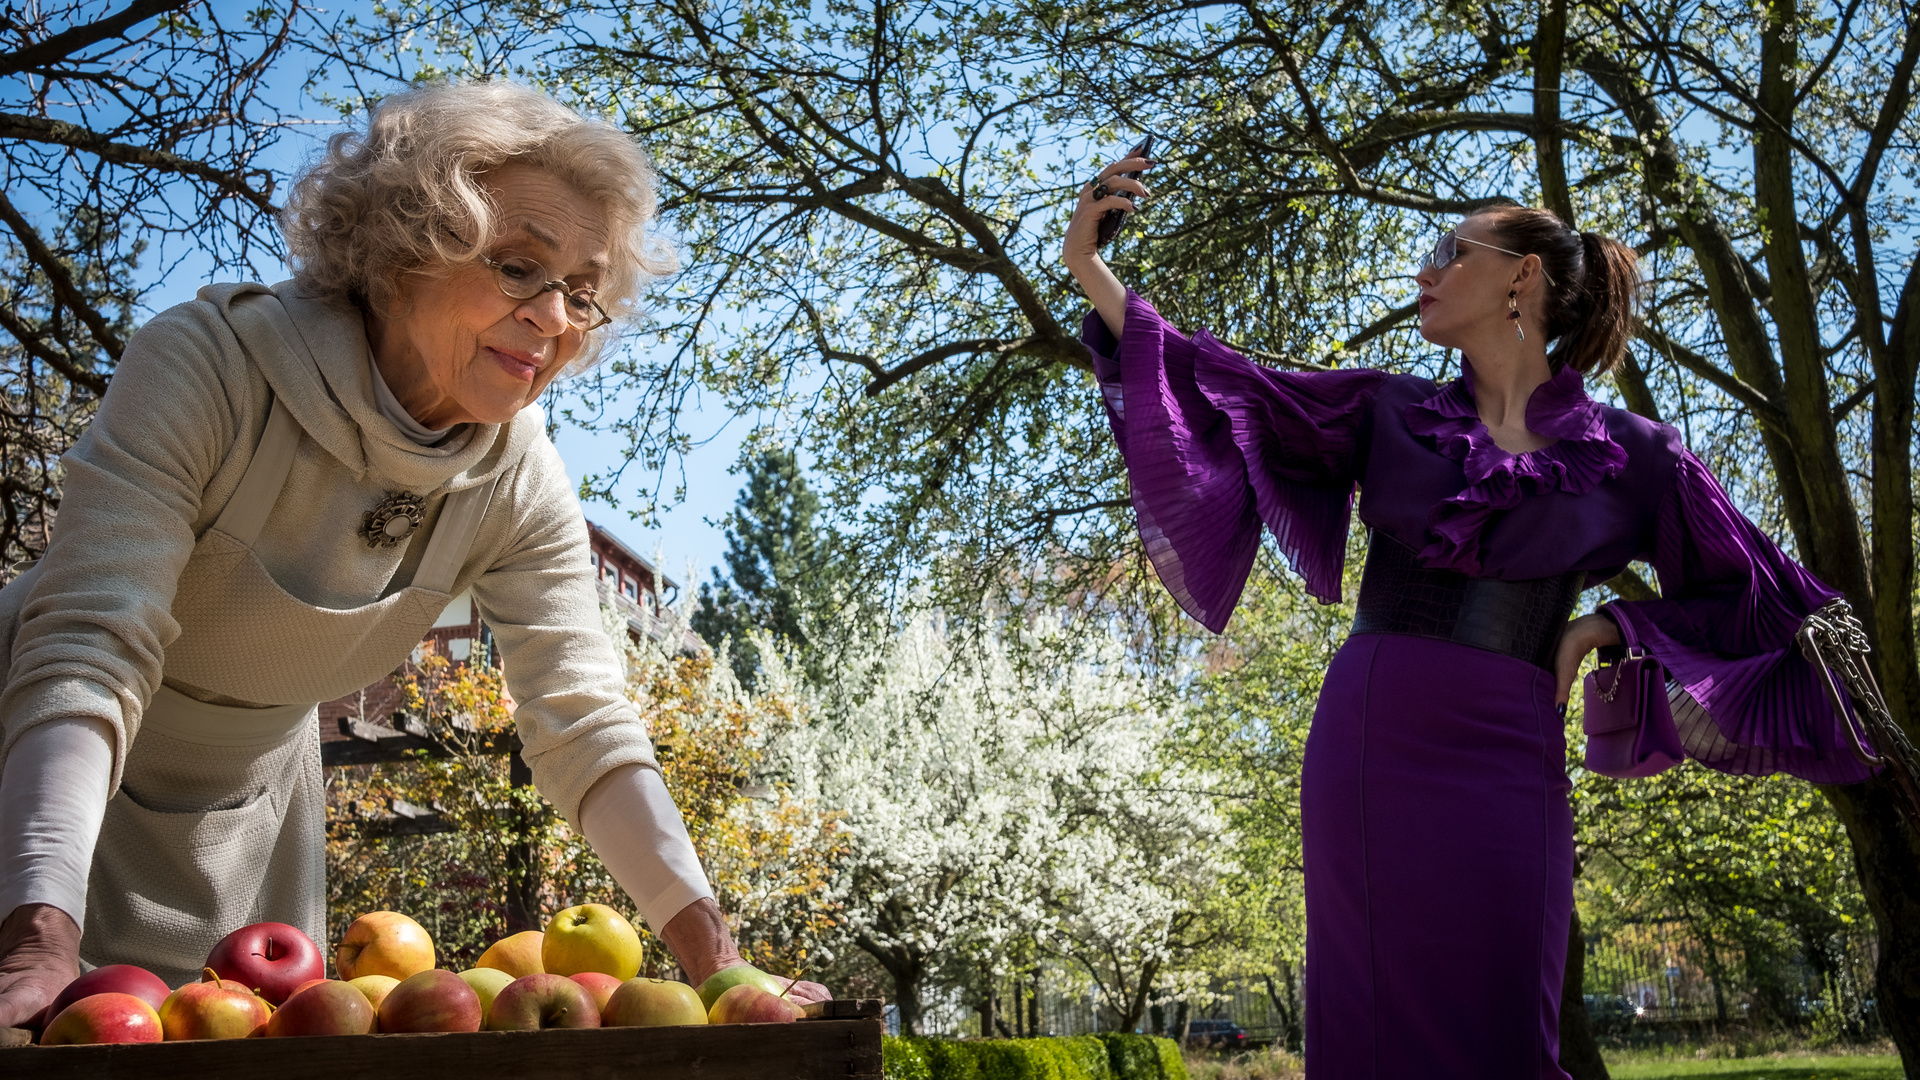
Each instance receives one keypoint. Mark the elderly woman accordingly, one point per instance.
(283, 489)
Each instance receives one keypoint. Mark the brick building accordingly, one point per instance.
(628, 583)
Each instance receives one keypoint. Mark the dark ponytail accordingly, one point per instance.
(1594, 283)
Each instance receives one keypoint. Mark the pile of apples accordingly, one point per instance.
(269, 980)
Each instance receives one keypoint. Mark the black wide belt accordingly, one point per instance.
(1521, 619)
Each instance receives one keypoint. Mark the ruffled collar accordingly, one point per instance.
(1584, 456)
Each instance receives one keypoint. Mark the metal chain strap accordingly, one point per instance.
(1835, 642)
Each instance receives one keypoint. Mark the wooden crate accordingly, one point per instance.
(842, 1042)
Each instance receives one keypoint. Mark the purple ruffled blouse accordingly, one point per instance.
(1217, 447)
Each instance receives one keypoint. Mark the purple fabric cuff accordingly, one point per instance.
(1216, 445)
(1745, 700)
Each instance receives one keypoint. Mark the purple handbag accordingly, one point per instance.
(1628, 722)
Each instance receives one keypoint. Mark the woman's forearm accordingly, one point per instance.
(630, 819)
(1103, 289)
(53, 796)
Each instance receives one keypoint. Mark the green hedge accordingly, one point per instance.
(1085, 1057)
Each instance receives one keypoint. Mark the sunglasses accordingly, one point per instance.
(1447, 248)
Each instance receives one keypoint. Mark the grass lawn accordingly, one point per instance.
(1772, 1067)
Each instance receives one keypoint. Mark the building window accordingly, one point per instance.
(628, 588)
(593, 557)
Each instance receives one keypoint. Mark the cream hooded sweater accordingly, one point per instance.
(171, 441)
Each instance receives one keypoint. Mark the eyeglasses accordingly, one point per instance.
(524, 279)
(1448, 248)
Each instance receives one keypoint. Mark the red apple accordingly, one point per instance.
(330, 1007)
(111, 979)
(271, 958)
(104, 1018)
(213, 1009)
(653, 1003)
(599, 987)
(430, 1001)
(533, 1002)
(748, 1004)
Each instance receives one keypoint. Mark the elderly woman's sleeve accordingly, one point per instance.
(574, 719)
(1745, 701)
(91, 621)
(1216, 446)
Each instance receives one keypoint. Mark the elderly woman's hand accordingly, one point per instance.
(39, 956)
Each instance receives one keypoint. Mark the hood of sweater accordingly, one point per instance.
(315, 357)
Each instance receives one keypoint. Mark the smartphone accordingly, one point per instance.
(1111, 221)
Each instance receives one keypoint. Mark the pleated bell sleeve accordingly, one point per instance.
(1745, 701)
(1216, 445)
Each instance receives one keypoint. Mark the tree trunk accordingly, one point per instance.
(523, 867)
(1287, 1008)
(1884, 853)
(907, 968)
(1579, 1053)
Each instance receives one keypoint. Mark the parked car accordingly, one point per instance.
(1217, 1034)
(1610, 1013)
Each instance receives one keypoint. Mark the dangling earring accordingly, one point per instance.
(1513, 313)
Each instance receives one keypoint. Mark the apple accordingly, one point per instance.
(330, 1007)
(383, 943)
(599, 987)
(748, 1004)
(591, 937)
(653, 1003)
(727, 978)
(111, 979)
(104, 1018)
(270, 958)
(431, 1000)
(534, 1002)
(516, 955)
(486, 982)
(213, 1008)
(376, 988)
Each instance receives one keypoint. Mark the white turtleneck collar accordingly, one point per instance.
(390, 407)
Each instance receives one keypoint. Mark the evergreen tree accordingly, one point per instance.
(774, 556)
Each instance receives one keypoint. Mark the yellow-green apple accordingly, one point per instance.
(103, 1018)
(748, 1004)
(533, 1002)
(486, 982)
(591, 937)
(517, 955)
(110, 979)
(599, 987)
(329, 1007)
(727, 978)
(653, 1003)
(432, 1000)
(212, 1008)
(383, 943)
(376, 988)
(269, 958)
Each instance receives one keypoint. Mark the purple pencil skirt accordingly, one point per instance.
(1439, 856)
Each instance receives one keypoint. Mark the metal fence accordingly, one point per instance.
(1644, 975)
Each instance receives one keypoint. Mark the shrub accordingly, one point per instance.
(1086, 1057)
(904, 1059)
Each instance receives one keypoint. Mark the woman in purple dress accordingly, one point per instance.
(1438, 835)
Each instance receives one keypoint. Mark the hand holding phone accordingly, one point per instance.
(1111, 221)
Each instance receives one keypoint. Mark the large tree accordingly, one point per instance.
(776, 564)
(131, 140)
(874, 195)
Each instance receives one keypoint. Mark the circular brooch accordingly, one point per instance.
(394, 519)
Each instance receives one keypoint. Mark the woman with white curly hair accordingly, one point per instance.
(282, 490)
